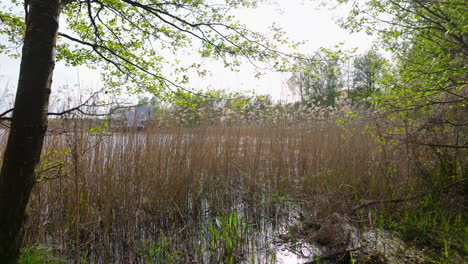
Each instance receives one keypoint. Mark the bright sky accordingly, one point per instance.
(301, 19)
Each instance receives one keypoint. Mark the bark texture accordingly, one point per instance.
(29, 124)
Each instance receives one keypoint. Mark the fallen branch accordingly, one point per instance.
(335, 257)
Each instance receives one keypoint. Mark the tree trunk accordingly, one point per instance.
(29, 124)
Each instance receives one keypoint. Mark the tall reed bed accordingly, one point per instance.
(179, 195)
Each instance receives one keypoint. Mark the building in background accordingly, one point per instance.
(139, 116)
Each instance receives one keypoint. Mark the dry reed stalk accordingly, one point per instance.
(113, 191)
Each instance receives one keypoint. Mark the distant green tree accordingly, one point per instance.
(367, 70)
(318, 79)
(192, 110)
(216, 107)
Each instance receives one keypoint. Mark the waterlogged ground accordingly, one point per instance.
(211, 195)
(237, 232)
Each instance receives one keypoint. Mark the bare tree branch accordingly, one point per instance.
(3, 117)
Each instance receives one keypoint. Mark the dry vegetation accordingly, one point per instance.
(181, 194)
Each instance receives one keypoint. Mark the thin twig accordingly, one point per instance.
(373, 202)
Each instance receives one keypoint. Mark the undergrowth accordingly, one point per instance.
(435, 220)
(40, 255)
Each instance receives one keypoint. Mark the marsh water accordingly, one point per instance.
(171, 197)
(206, 195)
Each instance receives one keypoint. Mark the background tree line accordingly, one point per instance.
(322, 77)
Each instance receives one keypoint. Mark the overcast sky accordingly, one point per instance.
(301, 19)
